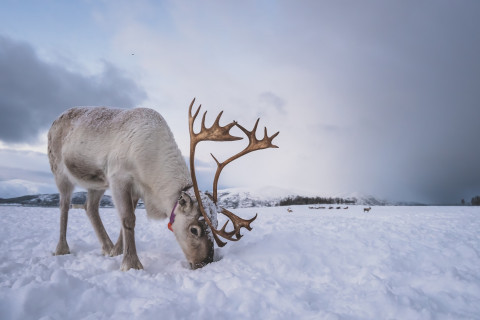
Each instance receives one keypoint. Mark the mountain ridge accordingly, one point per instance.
(228, 198)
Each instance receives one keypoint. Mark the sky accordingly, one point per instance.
(378, 98)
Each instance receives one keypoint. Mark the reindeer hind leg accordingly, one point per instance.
(65, 187)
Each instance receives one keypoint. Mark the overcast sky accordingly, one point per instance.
(375, 97)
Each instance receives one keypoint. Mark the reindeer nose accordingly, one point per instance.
(196, 265)
(202, 264)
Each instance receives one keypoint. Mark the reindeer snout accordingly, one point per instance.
(197, 265)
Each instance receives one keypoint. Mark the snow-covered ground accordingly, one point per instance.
(392, 263)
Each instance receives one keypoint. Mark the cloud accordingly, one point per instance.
(24, 172)
(270, 102)
(17, 188)
(35, 92)
(16, 164)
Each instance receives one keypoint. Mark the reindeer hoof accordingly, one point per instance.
(106, 251)
(62, 248)
(131, 263)
(116, 251)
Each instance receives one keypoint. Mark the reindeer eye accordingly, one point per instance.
(195, 231)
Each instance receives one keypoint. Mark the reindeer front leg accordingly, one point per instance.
(122, 197)
(118, 248)
(93, 201)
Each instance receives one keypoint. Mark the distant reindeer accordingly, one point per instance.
(330, 207)
(133, 152)
(367, 209)
(345, 208)
(289, 210)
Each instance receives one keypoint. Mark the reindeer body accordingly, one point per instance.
(132, 152)
(95, 147)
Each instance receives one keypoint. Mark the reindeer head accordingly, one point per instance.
(191, 230)
(198, 228)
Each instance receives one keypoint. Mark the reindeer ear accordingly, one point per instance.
(184, 201)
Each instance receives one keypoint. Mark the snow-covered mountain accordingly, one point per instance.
(52, 200)
(32, 195)
(364, 199)
(256, 197)
(228, 198)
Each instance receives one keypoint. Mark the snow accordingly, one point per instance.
(391, 263)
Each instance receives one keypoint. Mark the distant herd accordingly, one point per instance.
(331, 207)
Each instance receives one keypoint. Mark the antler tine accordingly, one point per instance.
(254, 143)
(255, 126)
(218, 163)
(238, 223)
(204, 128)
(217, 120)
(190, 110)
(226, 234)
(270, 139)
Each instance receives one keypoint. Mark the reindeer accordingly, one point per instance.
(367, 209)
(133, 152)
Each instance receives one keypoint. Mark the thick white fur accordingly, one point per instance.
(128, 145)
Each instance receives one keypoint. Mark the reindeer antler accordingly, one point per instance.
(253, 145)
(222, 133)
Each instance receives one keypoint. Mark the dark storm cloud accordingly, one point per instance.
(405, 76)
(33, 93)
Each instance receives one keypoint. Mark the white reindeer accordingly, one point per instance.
(133, 152)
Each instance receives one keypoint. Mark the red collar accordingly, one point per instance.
(172, 217)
